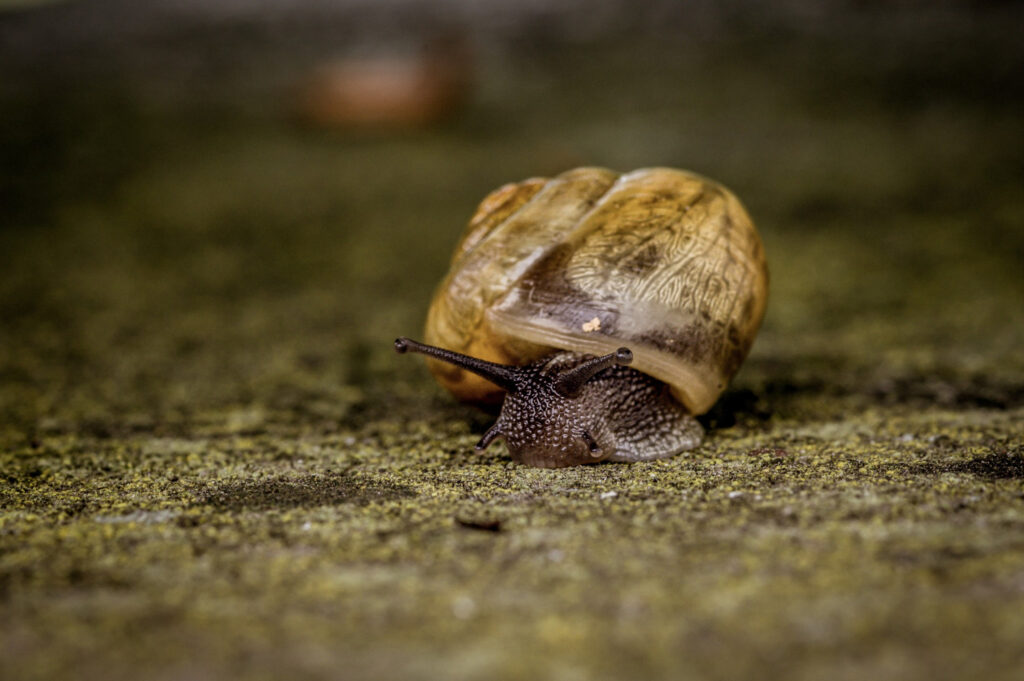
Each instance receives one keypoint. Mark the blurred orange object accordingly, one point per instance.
(392, 91)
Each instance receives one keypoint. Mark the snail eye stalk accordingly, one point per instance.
(505, 377)
(570, 383)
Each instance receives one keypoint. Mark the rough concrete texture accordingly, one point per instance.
(213, 465)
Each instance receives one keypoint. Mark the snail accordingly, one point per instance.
(604, 312)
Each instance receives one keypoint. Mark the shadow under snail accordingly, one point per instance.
(602, 311)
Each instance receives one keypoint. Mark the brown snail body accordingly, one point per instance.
(551, 272)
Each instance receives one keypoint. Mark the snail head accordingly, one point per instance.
(548, 418)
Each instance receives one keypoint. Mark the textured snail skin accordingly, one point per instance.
(570, 409)
(628, 415)
(661, 260)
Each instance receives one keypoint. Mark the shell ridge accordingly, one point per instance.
(586, 227)
(528, 263)
(659, 282)
(578, 228)
(598, 203)
(508, 218)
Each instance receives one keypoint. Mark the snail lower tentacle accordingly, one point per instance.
(492, 433)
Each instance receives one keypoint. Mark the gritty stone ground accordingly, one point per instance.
(212, 464)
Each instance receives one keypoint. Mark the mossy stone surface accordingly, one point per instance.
(213, 465)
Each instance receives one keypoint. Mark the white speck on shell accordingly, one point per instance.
(463, 607)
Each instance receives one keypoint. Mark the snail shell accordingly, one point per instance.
(660, 260)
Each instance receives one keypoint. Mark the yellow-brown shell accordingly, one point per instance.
(663, 261)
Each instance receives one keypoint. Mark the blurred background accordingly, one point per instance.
(215, 217)
(202, 202)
